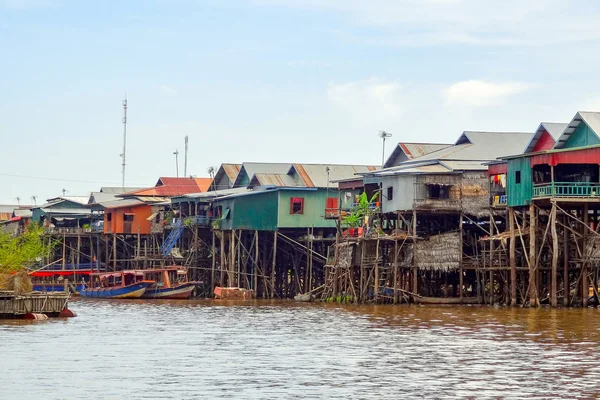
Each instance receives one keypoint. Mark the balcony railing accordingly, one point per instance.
(566, 189)
(201, 220)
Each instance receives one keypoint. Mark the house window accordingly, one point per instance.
(297, 205)
(438, 192)
(109, 217)
(331, 203)
(128, 217)
(518, 177)
(390, 193)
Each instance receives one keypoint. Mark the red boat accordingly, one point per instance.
(170, 283)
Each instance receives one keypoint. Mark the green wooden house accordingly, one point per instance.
(570, 170)
(274, 208)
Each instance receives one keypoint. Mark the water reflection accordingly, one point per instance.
(208, 349)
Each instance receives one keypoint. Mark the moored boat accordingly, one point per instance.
(169, 283)
(116, 285)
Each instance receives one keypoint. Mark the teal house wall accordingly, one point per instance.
(269, 210)
(519, 194)
(582, 136)
(314, 209)
(256, 211)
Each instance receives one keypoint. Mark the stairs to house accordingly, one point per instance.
(169, 243)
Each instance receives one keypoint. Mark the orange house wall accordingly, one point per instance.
(140, 220)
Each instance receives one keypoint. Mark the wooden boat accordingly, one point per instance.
(169, 283)
(446, 300)
(60, 278)
(116, 285)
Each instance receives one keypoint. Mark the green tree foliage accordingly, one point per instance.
(20, 252)
(364, 208)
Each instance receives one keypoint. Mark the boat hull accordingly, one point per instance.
(183, 291)
(50, 287)
(134, 291)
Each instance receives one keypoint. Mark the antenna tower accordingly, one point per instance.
(185, 160)
(124, 139)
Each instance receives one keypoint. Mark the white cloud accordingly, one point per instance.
(466, 22)
(167, 89)
(369, 101)
(481, 93)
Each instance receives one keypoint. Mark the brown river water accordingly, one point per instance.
(262, 350)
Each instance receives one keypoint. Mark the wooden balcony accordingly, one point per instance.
(567, 189)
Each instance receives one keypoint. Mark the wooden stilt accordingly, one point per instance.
(64, 252)
(222, 274)
(396, 297)
(554, 277)
(255, 268)
(213, 256)
(492, 245)
(532, 258)
(460, 265)
(274, 264)
(415, 285)
(584, 267)
(114, 252)
(566, 284)
(376, 283)
(512, 260)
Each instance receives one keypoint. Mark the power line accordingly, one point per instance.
(63, 180)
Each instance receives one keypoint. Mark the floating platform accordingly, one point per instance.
(232, 293)
(34, 304)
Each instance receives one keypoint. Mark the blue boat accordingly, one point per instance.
(117, 285)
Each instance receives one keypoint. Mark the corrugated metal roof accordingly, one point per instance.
(423, 169)
(207, 196)
(591, 119)
(466, 165)
(118, 190)
(83, 200)
(554, 130)
(252, 168)
(8, 208)
(121, 203)
(273, 180)
(412, 150)
(481, 146)
(317, 175)
(170, 187)
(231, 170)
(66, 211)
(19, 212)
(471, 151)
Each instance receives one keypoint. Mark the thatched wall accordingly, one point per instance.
(438, 252)
(475, 190)
(468, 192)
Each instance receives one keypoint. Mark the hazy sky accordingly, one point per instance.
(273, 80)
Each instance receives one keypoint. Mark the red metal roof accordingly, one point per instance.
(170, 187)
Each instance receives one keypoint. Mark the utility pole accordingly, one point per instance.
(34, 199)
(176, 153)
(185, 160)
(124, 140)
(383, 135)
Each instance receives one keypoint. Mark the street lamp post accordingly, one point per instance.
(176, 153)
(383, 135)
